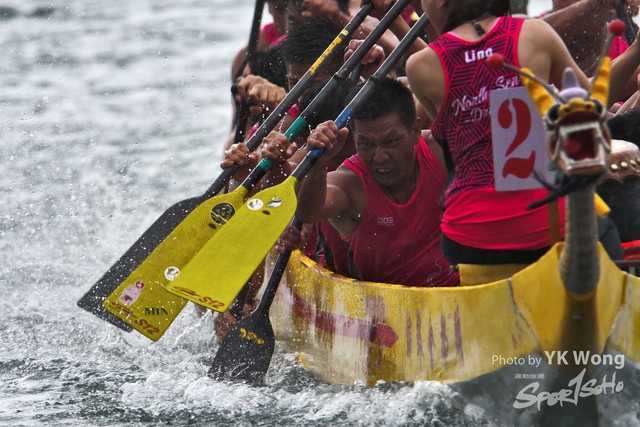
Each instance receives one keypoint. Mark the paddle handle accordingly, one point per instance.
(345, 70)
(274, 280)
(302, 122)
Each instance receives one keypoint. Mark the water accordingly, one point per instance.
(110, 112)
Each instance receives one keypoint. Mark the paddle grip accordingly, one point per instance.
(296, 128)
(265, 164)
(342, 121)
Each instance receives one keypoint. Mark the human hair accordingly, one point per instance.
(269, 64)
(343, 5)
(306, 43)
(388, 96)
(332, 105)
(461, 11)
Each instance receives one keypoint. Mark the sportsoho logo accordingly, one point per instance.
(577, 387)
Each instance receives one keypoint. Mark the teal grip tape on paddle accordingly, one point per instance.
(256, 175)
(266, 164)
(296, 128)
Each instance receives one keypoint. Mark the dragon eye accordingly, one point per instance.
(552, 114)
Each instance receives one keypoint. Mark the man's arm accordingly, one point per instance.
(328, 196)
(319, 198)
(583, 28)
(624, 73)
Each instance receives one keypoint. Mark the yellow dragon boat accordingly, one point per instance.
(345, 330)
(573, 315)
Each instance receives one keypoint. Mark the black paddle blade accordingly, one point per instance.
(137, 253)
(245, 353)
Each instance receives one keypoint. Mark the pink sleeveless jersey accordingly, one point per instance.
(272, 34)
(400, 243)
(476, 214)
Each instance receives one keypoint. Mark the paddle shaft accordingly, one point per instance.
(347, 114)
(291, 97)
(243, 108)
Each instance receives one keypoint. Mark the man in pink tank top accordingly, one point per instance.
(384, 200)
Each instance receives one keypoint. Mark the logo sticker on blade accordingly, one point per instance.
(276, 202)
(251, 336)
(222, 212)
(131, 293)
(255, 204)
(171, 273)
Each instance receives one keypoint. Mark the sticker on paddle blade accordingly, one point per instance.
(255, 204)
(131, 293)
(275, 202)
(171, 273)
(222, 212)
(251, 336)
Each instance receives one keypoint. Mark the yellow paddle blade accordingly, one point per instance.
(141, 299)
(215, 276)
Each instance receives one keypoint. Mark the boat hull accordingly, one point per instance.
(345, 330)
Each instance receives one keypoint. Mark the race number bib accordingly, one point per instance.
(519, 141)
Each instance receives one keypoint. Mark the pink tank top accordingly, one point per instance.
(475, 213)
(618, 46)
(400, 243)
(272, 34)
